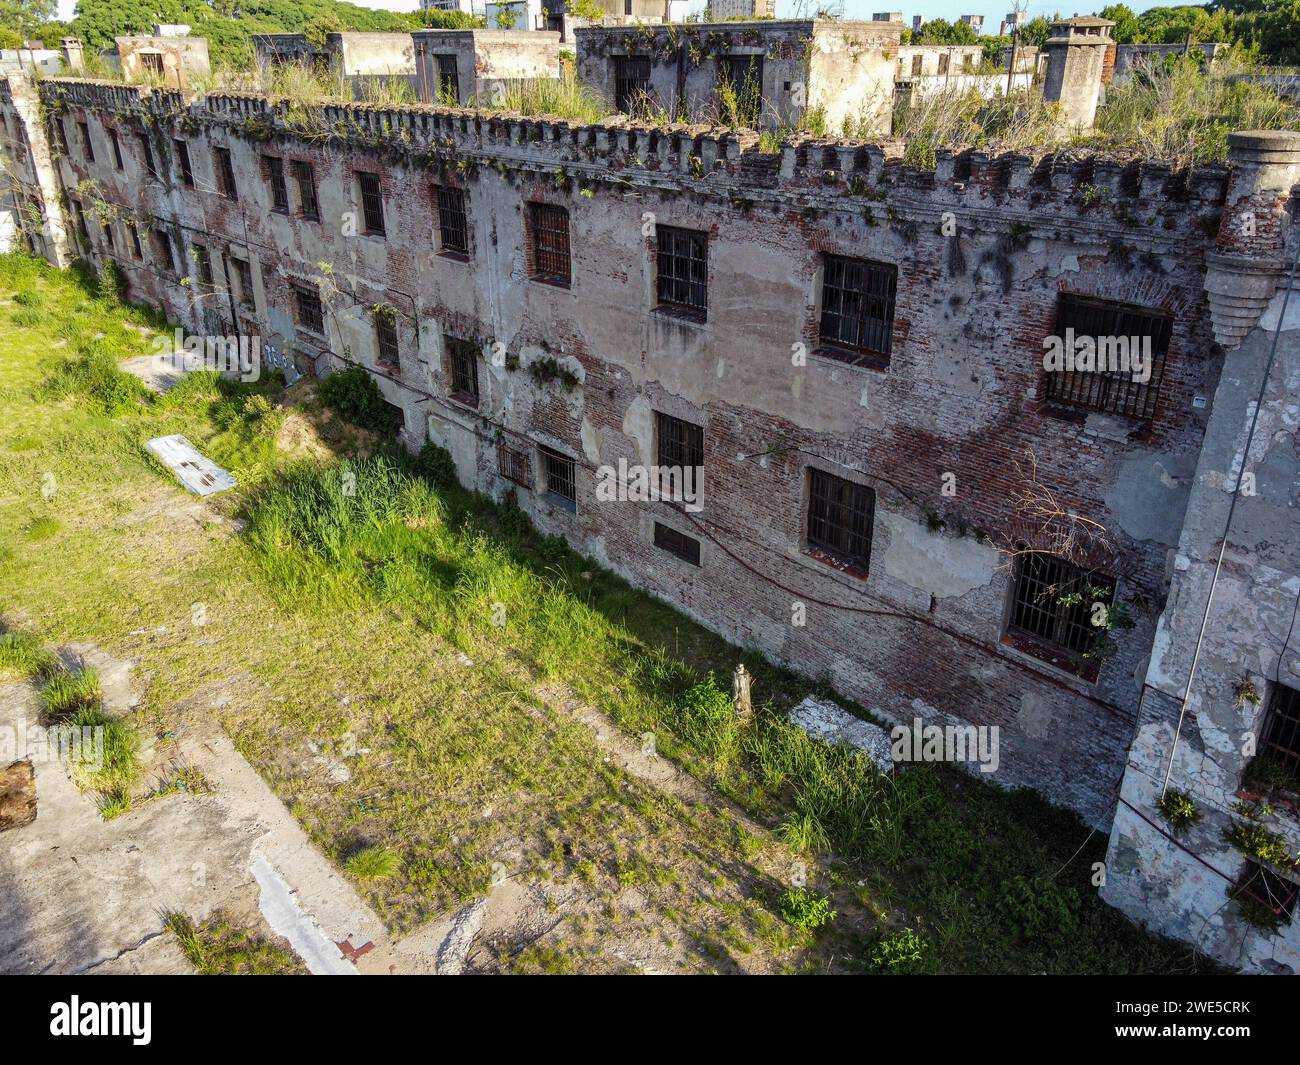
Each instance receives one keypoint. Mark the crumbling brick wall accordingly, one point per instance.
(983, 248)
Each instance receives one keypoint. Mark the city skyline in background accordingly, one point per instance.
(852, 9)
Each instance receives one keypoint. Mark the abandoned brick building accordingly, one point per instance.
(853, 352)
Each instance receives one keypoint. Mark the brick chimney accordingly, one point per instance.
(1076, 57)
(1249, 253)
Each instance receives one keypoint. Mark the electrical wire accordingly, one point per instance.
(1227, 526)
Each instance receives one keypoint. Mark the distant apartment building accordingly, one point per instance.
(887, 16)
(917, 22)
(975, 22)
(724, 9)
(465, 7)
(516, 15)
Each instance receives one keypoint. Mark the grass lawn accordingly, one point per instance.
(395, 655)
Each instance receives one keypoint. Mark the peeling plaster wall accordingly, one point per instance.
(924, 632)
(1179, 887)
(843, 68)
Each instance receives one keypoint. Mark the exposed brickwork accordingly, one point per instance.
(962, 391)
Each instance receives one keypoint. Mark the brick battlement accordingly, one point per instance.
(731, 162)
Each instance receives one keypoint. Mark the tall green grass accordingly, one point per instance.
(975, 864)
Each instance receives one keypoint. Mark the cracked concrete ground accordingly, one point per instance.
(84, 894)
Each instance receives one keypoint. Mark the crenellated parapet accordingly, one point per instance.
(1099, 191)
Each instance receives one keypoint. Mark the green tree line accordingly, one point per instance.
(228, 25)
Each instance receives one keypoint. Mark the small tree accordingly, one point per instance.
(587, 10)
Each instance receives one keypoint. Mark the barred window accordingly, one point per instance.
(462, 368)
(684, 547)
(386, 339)
(1265, 888)
(1105, 389)
(550, 226)
(559, 477)
(183, 156)
(306, 181)
(631, 81)
(152, 63)
(225, 173)
(86, 146)
(680, 443)
(372, 203)
(146, 149)
(840, 515)
(116, 142)
(683, 275)
(917, 62)
(1281, 742)
(310, 314)
(513, 465)
(1053, 600)
(244, 277)
(166, 253)
(275, 177)
(857, 307)
(453, 227)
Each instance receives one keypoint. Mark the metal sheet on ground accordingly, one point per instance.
(200, 475)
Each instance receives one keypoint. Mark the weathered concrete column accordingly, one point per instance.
(1248, 258)
(39, 174)
(1076, 57)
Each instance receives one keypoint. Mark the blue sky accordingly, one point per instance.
(946, 9)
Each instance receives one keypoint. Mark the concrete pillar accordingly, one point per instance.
(1243, 270)
(73, 56)
(1076, 57)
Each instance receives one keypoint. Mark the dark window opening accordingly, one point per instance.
(152, 63)
(306, 181)
(857, 307)
(916, 65)
(183, 155)
(204, 263)
(462, 368)
(1054, 601)
(166, 253)
(684, 547)
(372, 204)
(108, 237)
(136, 248)
(1263, 887)
(453, 227)
(943, 63)
(683, 276)
(60, 136)
(244, 279)
(310, 314)
(448, 80)
(146, 149)
(680, 443)
(86, 146)
(550, 225)
(840, 516)
(513, 465)
(559, 477)
(1281, 741)
(386, 340)
(279, 190)
(1112, 391)
(741, 76)
(631, 82)
(225, 173)
(117, 149)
